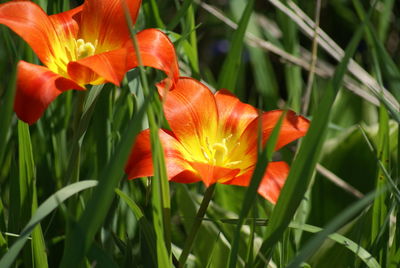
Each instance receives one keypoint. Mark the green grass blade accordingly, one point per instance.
(145, 225)
(229, 72)
(361, 252)
(313, 245)
(179, 15)
(79, 239)
(6, 112)
(303, 167)
(293, 78)
(43, 210)
(263, 159)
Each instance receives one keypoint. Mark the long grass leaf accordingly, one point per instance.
(43, 210)
(334, 225)
(303, 167)
(264, 158)
(229, 72)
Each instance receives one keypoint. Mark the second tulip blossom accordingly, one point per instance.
(214, 138)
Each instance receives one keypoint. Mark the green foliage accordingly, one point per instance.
(78, 149)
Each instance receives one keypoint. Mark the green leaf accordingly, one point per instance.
(230, 68)
(262, 164)
(304, 164)
(43, 210)
(313, 245)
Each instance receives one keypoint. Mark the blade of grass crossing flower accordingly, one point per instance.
(80, 237)
(161, 183)
(251, 193)
(145, 226)
(313, 245)
(363, 254)
(230, 68)
(43, 210)
(304, 164)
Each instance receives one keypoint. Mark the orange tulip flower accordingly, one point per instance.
(213, 138)
(86, 45)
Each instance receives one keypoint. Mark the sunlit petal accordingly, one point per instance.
(104, 21)
(140, 161)
(234, 115)
(272, 182)
(191, 112)
(30, 22)
(37, 87)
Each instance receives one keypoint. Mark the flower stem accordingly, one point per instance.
(196, 225)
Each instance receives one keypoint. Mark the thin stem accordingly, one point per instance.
(314, 51)
(196, 225)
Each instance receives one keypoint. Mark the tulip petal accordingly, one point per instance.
(66, 23)
(293, 127)
(104, 21)
(156, 51)
(191, 112)
(234, 115)
(211, 174)
(30, 22)
(37, 87)
(272, 182)
(140, 162)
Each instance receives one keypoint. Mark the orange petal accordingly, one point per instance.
(191, 112)
(37, 87)
(30, 22)
(66, 23)
(211, 174)
(140, 160)
(234, 115)
(272, 182)
(104, 21)
(109, 66)
(156, 51)
(293, 127)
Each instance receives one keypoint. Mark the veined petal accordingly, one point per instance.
(272, 182)
(66, 23)
(156, 51)
(293, 127)
(30, 22)
(191, 112)
(234, 115)
(140, 160)
(37, 87)
(109, 66)
(104, 21)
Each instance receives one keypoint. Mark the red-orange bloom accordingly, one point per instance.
(86, 45)
(213, 138)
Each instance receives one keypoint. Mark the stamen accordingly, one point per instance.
(85, 49)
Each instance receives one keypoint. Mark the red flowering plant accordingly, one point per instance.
(213, 138)
(89, 44)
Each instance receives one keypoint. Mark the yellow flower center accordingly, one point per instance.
(218, 153)
(85, 49)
